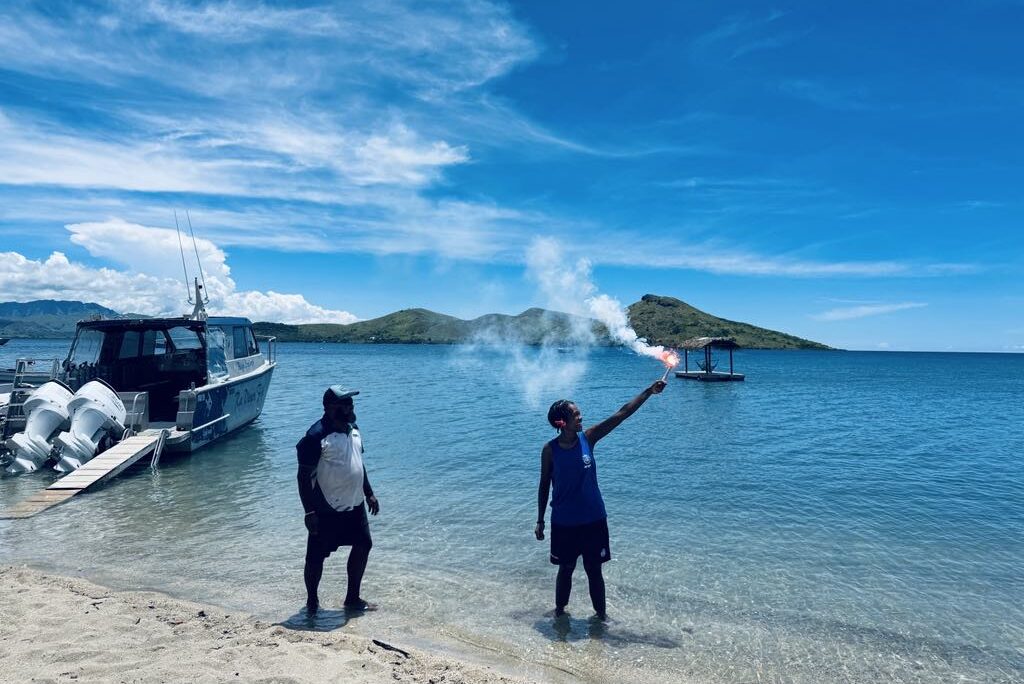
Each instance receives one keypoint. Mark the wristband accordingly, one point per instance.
(540, 522)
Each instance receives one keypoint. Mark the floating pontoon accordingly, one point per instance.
(706, 363)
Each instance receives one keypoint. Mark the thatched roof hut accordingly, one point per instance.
(714, 342)
(707, 366)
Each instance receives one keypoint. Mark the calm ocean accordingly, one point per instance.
(839, 517)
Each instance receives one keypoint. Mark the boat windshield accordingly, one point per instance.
(86, 348)
(216, 354)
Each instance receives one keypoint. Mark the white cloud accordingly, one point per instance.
(434, 50)
(851, 312)
(150, 280)
(33, 154)
(230, 21)
(631, 249)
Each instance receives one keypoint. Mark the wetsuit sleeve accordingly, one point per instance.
(308, 452)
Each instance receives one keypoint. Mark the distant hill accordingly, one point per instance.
(669, 321)
(661, 320)
(47, 318)
(420, 326)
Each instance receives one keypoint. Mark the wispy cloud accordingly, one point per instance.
(348, 112)
(630, 248)
(338, 127)
(746, 33)
(863, 311)
(829, 96)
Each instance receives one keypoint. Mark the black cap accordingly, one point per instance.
(336, 393)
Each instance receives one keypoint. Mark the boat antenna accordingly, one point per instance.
(196, 248)
(181, 248)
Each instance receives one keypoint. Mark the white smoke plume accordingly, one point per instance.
(569, 288)
(552, 370)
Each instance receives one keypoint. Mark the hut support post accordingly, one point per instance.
(730, 361)
(686, 361)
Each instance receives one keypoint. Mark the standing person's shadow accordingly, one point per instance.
(323, 620)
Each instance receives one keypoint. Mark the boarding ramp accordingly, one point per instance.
(106, 466)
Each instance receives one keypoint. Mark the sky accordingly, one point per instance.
(846, 172)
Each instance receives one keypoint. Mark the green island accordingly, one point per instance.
(659, 319)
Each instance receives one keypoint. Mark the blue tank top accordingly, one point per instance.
(576, 499)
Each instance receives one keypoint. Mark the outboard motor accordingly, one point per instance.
(95, 410)
(46, 410)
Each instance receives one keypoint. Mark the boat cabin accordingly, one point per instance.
(705, 361)
(161, 356)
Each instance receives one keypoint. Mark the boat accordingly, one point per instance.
(194, 378)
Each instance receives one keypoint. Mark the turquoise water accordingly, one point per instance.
(839, 517)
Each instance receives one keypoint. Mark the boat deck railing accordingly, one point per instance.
(271, 354)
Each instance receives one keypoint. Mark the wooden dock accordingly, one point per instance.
(106, 466)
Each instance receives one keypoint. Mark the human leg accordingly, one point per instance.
(563, 585)
(359, 530)
(357, 559)
(312, 572)
(595, 579)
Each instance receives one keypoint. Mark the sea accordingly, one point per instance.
(837, 517)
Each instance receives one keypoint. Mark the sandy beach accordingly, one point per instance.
(61, 629)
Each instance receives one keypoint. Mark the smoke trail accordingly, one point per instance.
(568, 287)
(550, 369)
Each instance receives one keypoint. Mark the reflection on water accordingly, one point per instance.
(568, 628)
(838, 517)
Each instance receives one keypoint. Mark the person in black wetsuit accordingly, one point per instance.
(579, 523)
(333, 487)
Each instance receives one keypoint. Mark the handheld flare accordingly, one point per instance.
(671, 360)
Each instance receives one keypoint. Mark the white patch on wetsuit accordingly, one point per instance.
(339, 472)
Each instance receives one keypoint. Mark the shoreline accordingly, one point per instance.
(59, 628)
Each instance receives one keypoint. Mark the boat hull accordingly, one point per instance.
(223, 408)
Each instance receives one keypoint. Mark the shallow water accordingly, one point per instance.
(838, 517)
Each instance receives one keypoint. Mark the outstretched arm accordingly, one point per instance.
(601, 430)
(543, 489)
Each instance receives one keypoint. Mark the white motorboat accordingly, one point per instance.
(197, 377)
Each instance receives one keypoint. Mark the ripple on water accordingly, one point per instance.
(838, 517)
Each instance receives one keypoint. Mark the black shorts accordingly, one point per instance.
(569, 542)
(347, 528)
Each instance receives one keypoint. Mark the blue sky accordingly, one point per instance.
(849, 173)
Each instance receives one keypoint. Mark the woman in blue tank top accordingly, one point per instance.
(579, 523)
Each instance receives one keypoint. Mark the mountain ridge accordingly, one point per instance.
(656, 318)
